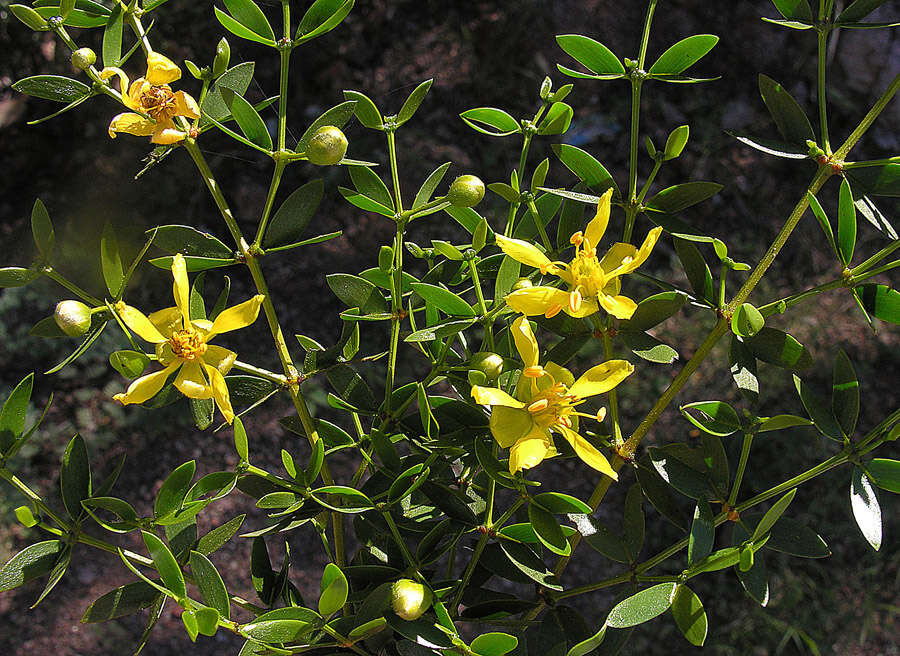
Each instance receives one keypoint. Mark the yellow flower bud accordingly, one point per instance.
(73, 317)
(410, 599)
(327, 147)
(83, 58)
(466, 191)
(490, 364)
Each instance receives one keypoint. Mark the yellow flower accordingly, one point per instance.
(593, 283)
(182, 344)
(545, 400)
(152, 95)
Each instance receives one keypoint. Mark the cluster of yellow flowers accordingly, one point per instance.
(546, 397)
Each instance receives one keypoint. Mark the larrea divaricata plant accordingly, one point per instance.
(441, 536)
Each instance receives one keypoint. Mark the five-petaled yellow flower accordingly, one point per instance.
(593, 283)
(152, 95)
(545, 400)
(183, 344)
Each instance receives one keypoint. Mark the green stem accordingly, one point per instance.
(482, 306)
(271, 376)
(794, 299)
(613, 397)
(643, 194)
(33, 496)
(467, 574)
(820, 96)
(280, 165)
(723, 274)
(283, 84)
(51, 273)
(542, 231)
(881, 269)
(200, 161)
(138, 30)
(876, 258)
(872, 162)
(869, 118)
(396, 307)
(401, 543)
(645, 35)
(593, 587)
(742, 466)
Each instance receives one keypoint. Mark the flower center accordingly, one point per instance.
(553, 406)
(187, 344)
(159, 103)
(587, 274)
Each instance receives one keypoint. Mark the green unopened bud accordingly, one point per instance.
(466, 191)
(410, 599)
(490, 364)
(25, 516)
(83, 58)
(327, 147)
(676, 141)
(73, 317)
(522, 283)
(30, 17)
(223, 57)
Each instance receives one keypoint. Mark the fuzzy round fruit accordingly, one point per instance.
(410, 599)
(72, 317)
(466, 191)
(83, 58)
(327, 146)
(490, 364)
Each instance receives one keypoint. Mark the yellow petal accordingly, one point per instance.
(537, 300)
(586, 451)
(601, 378)
(559, 374)
(185, 105)
(588, 307)
(161, 69)
(621, 307)
(617, 257)
(508, 425)
(108, 72)
(526, 344)
(166, 134)
(146, 387)
(595, 229)
(191, 382)
(135, 91)
(525, 253)
(131, 123)
(167, 321)
(237, 316)
(529, 452)
(639, 256)
(220, 393)
(494, 397)
(139, 323)
(220, 358)
(181, 289)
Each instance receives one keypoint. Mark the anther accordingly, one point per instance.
(577, 238)
(533, 372)
(537, 406)
(575, 300)
(553, 310)
(601, 415)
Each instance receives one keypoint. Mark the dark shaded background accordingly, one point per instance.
(481, 53)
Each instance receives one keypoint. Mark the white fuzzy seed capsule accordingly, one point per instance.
(73, 317)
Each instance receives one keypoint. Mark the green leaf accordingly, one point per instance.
(561, 504)
(659, 493)
(747, 321)
(217, 537)
(866, 509)
(294, 214)
(12, 415)
(32, 562)
(240, 30)
(633, 523)
(209, 582)
(365, 110)
(846, 223)
(789, 117)
(797, 10)
(112, 38)
(778, 348)
(89, 339)
(590, 171)
(653, 310)
(443, 299)
(822, 218)
(166, 565)
(173, 489)
(350, 386)
(588, 645)
(602, 539)
(248, 14)
(780, 422)
(53, 87)
(695, 267)
(413, 101)
(548, 530)
(494, 644)
(703, 533)
(110, 260)
(16, 276)
(649, 348)
(687, 609)
(772, 515)
(859, 10)
(591, 54)
(684, 54)
(237, 79)
(845, 394)
(885, 474)
(818, 410)
(75, 476)
(130, 364)
(334, 589)
(369, 184)
(679, 197)
(337, 117)
(881, 301)
(194, 264)
(322, 17)
(791, 537)
(352, 500)
(773, 146)
(431, 182)
(122, 601)
(248, 119)
(525, 560)
(127, 519)
(42, 229)
(877, 180)
(713, 417)
(557, 121)
(642, 607)
(502, 123)
(279, 631)
(189, 241)
(742, 365)
(676, 142)
(357, 292)
(680, 474)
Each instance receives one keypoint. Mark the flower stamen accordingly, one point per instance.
(533, 372)
(187, 344)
